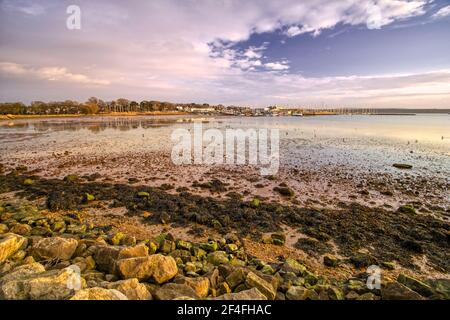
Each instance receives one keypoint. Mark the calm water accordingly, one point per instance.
(361, 141)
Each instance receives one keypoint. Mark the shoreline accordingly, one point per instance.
(193, 246)
(113, 114)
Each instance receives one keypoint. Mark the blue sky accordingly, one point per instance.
(366, 53)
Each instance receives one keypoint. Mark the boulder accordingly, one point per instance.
(22, 272)
(199, 284)
(253, 281)
(217, 258)
(397, 291)
(236, 277)
(106, 256)
(172, 291)
(21, 229)
(54, 248)
(415, 284)
(251, 294)
(157, 267)
(297, 293)
(291, 265)
(441, 287)
(49, 285)
(97, 293)
(10, 243)
(131, 288)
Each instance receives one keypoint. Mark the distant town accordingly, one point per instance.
(95, 106)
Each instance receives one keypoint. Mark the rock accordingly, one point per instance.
(28, 182)
(23, 271)
(10, 243)
(217, 258)
(267, 269)
(368, 296)
(415, 284)
(99, 294)
(278, 238)
(89, 197)
(253, 281)
(167, 246)
(3, 228)
(397, 291)
(199, 284)
(297, 293)
(330, 261)
(131, 288)
(54, 248)
(172, 291)
(143, 194)
(157, 267)
(402, 166)
(409, 209)
(49, 285)
(357, 286)
(291, 265)
(106, 256)
(441, 287)
(223, 288)
(210, 246)
(21, 229)
(183, 245)
(236, 277)
(362, 260)
(284, 191)
(251, 294)
(335, 293)
(255, 203)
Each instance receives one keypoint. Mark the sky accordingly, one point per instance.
(309, 53)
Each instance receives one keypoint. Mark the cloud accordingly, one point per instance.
(185, 50)
(441, 13)
(277, 66)
(23, 6)
(48, 73)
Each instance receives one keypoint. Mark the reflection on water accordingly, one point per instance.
(362, 140)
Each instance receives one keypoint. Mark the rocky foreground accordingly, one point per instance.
(45, 257)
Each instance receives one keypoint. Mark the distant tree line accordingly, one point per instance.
(91, 106)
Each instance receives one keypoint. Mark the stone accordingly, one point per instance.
(10, 243)
(278, 238)
(157, 267)
(251, 294)
(363, 260)
(335, 293)
(3, 228)
(217, 258)
(199, 284)
(415, 284)
(131, 288)
(297, 293)
(441, 287)
(23, 271)
(210, 246)
(409, 209)
(21, 229)
(143, 194)
(98, 293)
(223, 288)
(397, 291)
(172, 291)
(106, 256)
(291, 265)
(28, 182)
(183, 245)
(330, 261)
(402, 166)
(368, 296)
(236, 277)
(54, 248)
(167, 246)
(116, 239)
(48, 285)
(253, 281)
